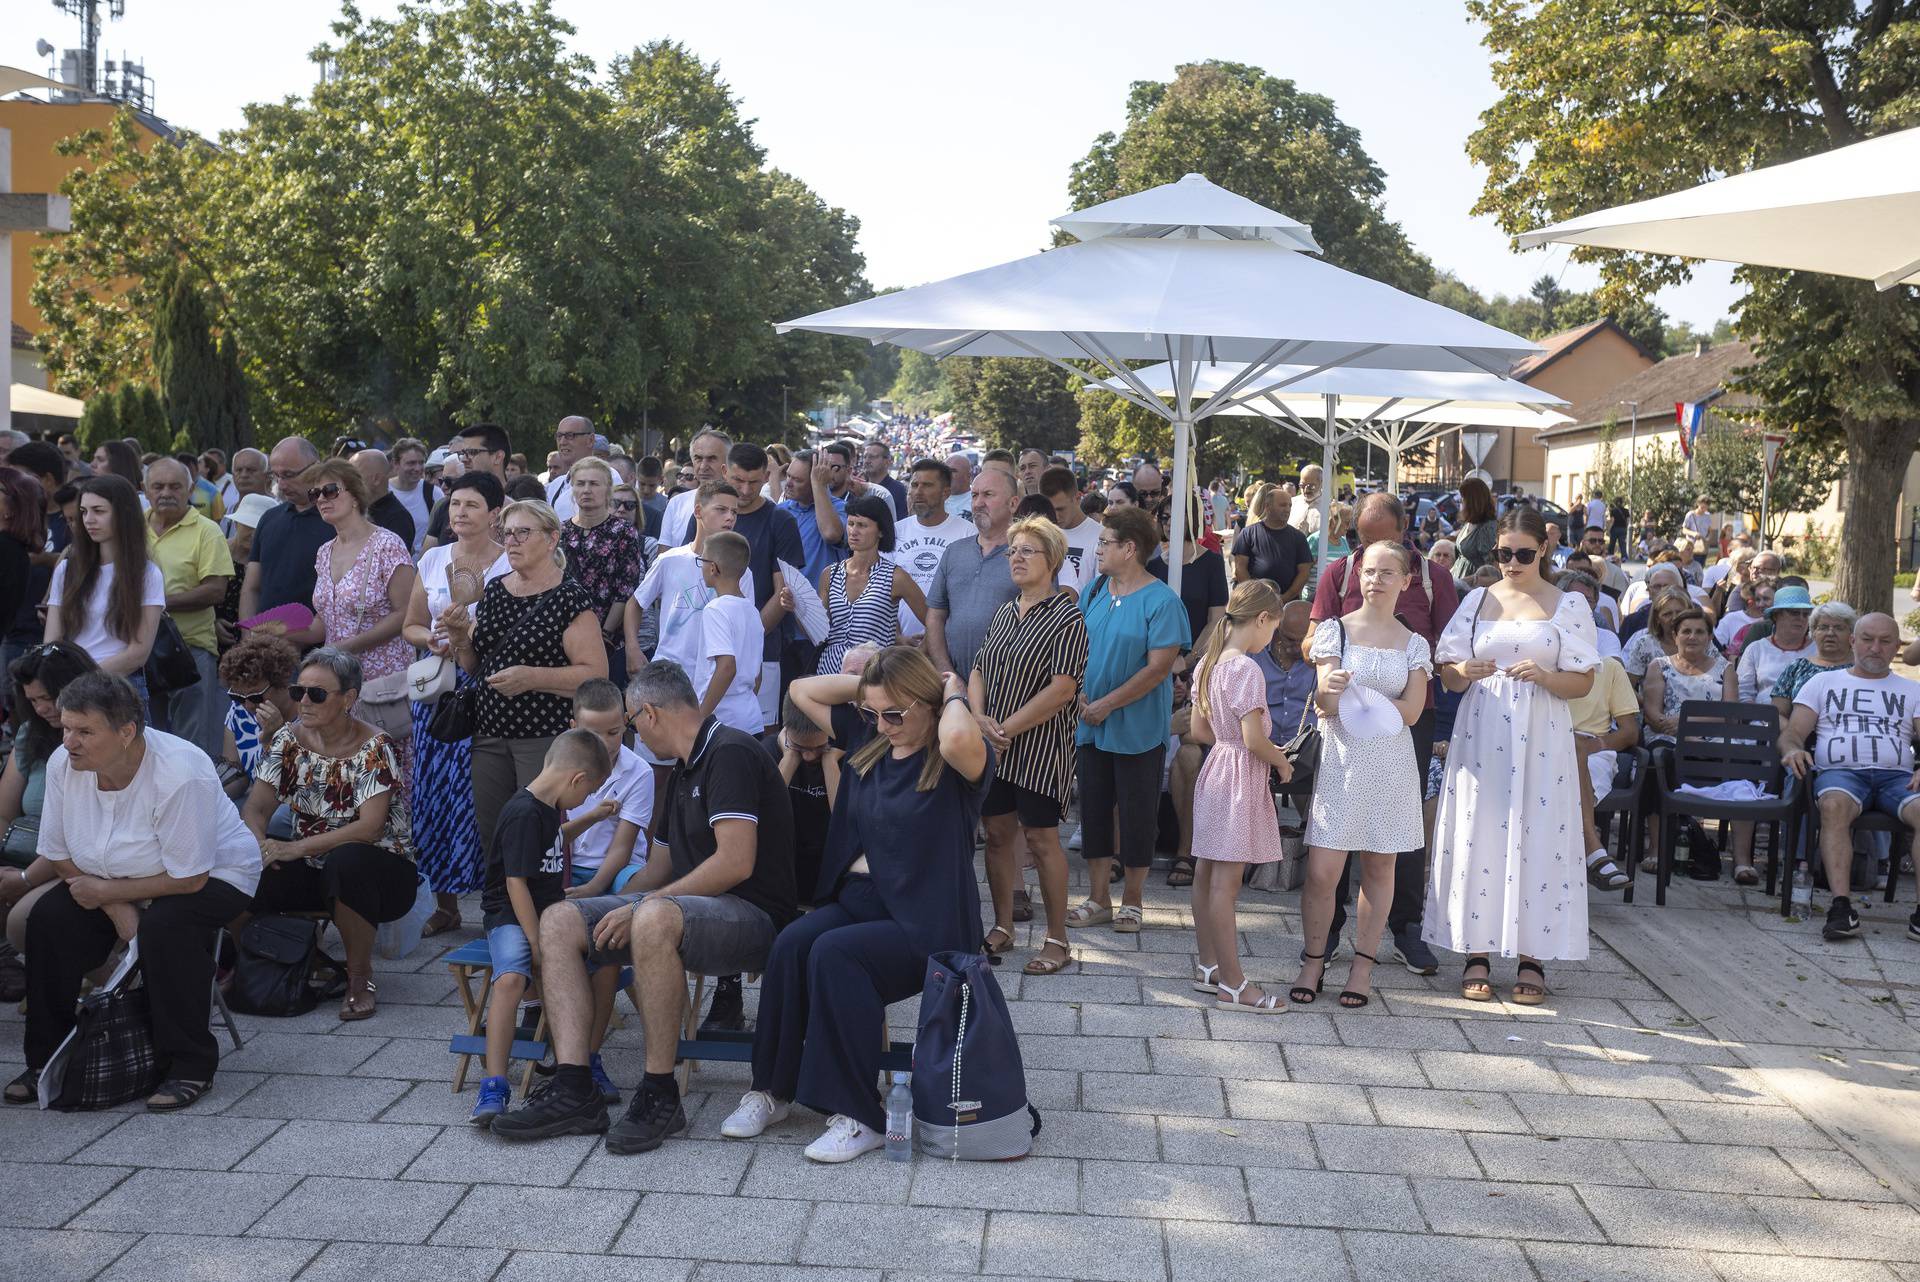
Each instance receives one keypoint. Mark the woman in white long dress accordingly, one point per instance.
(1509, 875)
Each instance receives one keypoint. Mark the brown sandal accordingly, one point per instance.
(1525, 991)
(1477, 989)
(440, 922)
(359, 1003)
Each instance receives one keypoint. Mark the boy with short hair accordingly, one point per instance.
(526, 873)
(601, 834)
(731, 639)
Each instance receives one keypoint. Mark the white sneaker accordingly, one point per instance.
(1073, 840)
(844, 1140)
(756, 1112)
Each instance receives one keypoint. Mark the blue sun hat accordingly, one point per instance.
(1791, 597)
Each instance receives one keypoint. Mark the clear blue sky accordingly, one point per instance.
(948, 130)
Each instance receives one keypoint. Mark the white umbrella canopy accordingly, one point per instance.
(1852, 211)
(1187, 273)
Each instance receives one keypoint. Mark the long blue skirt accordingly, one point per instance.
(442, 801)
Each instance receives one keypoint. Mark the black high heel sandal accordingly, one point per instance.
(1349, 999)
(1300, 994)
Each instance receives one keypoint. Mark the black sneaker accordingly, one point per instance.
(727, 1012)
(1842, 921)
(653, 1115)
(553, 1110)
(1412, 952)
(1913, 925)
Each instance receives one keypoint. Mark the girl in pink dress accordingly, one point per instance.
(1233, 818)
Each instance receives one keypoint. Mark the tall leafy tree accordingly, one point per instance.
(1015, 401)
(187, 360)
(1604, 101)
(1730, 468)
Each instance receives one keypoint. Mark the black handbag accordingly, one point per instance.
(276, 959)
(456, 715)
(170, 664)
(109, 1058)
(1303, 750)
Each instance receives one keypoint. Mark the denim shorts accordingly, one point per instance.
(512, 954)
(719, 935)
(581, 876)
(1882, 790)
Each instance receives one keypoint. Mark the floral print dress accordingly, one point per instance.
(325, 792)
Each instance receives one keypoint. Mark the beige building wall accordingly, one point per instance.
(1602, 362)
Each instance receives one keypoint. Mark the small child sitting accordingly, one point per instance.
(602, 833)
(525, 875)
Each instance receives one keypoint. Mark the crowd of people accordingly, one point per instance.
(750, 715)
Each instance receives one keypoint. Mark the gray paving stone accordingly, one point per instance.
(431, 1103)
(1046, 1184)
(359, 1261)
(1394, 1150)
(468, 1155)
(212, 1203)
(34, 1195)
(1447, 1110)
(1022, 1245)
(1540, 1159)
(1036, 1018)
(328, 1099)
(1672, 1046)
(1628, 1081)
(1431, 1258)
(893, 1237)
(783, 1170)
(1717, 1168)
(424, 1060)
(678, 1166)
(183, 1143)
(1302, 1027)
(1139, 1021)
(1113, 1054)
(1742, 1124)
(1112, 989)
(783, 1273)
(1842, 1230)
(1467, 1070)
(279, 1052)
(751, 1230)
(1223, 1252)
(1786, 1268)
(519, 1218)
(1163, 1190)
(364, 1210)
(1152, 1093)
(1558, 1262)
(1517, 1037)
(1115, 1136)
(1526, 1212)
(375, 1150)
(34, 1136)
(1727, 1085)
(1696, 1221)
(212, 1259)
(1252, 1061)
(1375, 1027)
(1236, 1142)
(1334, 1199)
(1297, 1102)
(1593, 1117)
(1353, 1065)
(1046, 1088)
(559, 1266)
(1834, 1174)
(41, 1255)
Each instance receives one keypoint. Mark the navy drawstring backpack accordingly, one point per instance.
(969, 1088)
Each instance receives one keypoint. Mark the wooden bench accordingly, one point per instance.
(474, 961)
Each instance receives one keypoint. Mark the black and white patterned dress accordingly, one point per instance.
(1020, 657)
(525, 631)
(869, 620)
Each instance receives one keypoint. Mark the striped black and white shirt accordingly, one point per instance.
(1021, 655)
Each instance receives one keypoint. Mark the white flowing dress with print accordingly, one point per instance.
(1508, 875)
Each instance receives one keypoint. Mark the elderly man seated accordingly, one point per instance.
(1861, 721)
(148, 848)
(710, 904)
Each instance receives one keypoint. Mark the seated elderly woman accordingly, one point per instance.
(145, 846)
(351, 853)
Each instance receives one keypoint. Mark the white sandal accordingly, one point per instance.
(1203, 981)
(1226, 998)
(1127, 919)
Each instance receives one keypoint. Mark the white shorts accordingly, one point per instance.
(1600, 770)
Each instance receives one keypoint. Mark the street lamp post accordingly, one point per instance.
(1633, 440)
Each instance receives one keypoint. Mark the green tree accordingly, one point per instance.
(100, 421)
(920, 384)
(1655, 483)
(1015, 401)
(1730, 469)
(1604, 101)
(187, 361)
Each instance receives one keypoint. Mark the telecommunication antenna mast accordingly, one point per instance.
(88, 11)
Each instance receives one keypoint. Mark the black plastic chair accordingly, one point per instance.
(1865, 821)
(1626, 801)
(1719, 742)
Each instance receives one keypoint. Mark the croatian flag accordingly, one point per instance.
(1688, 415)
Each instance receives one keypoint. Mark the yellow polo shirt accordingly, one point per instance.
(186, 554)
(1610, 699)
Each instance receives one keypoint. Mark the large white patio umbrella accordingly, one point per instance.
(1396, 410)
(1186, 273)
(1852, 211)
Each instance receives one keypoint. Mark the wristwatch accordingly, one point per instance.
(953, 698)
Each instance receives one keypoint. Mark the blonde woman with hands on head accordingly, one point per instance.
(1367, 791)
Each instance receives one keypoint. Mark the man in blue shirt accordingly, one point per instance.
(820, 516)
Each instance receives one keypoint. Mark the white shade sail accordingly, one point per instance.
(1852, 211)
(1185, 273)
(24, 398)
(14, 79)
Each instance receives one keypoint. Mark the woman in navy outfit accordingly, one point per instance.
(896, 886)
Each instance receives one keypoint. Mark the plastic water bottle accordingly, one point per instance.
(899, 1121)
(1802, 892)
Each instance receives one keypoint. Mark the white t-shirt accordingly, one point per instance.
(729, 625)
(674, 585)
(1304, 515)
(917, 549)
(1607, 641)
(560, 497)
(1717, 571)
(1862, 724)
(1730, 627)
(93, 636)
(1597, 512)
(961, 505)
(1080, 569)
(1762, 662)
(1606, 613)
(631, 783)
(676, 524)
(173, 818)
(415, 501)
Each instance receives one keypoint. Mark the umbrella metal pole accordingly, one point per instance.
(1329, 463)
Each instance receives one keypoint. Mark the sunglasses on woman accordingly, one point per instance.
(331, 490)
(310, 694)
(624, 505)
(892, 716)
(253, 700)
(1523, 556)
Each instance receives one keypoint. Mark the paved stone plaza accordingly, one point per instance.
(1606, 1135)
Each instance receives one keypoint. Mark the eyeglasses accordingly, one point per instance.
(291, 475)
(249, 700)
(1523, 556)
(331, 490)
(310, 694)
(518, 533)
(703, 560)
(892, 716)
(569, 436)
(1022, 553)
(468, 456)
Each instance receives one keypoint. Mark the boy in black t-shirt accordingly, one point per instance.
(526, 873)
